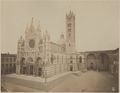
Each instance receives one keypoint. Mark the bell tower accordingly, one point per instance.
(70, 32)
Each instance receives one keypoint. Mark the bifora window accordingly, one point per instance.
(69, 25)
(69, 30)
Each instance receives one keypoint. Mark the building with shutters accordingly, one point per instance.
(8, 63)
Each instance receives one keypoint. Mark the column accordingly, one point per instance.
(34, 70)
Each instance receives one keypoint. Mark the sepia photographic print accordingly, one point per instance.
(60, 46)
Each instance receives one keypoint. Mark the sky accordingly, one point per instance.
(96, 22)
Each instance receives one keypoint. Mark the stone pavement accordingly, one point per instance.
(36, 78)
(18, 88)
(31, 82)
(90, 81)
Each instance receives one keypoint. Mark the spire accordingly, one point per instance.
(62, 40)
(21, 38)
(32, 26)
(32, 21)
(47, 36)
(70, 14)
(26, 28)
(46, 33)
(38, 27)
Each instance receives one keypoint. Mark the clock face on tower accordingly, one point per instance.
(31, 43)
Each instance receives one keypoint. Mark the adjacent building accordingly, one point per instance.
(8, 63)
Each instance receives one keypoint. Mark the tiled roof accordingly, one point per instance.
(8, 55)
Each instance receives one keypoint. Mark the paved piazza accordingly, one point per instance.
(90, 81)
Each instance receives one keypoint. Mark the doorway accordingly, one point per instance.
(91, 62)
(71, 68)
(39, 71)
(31, 70)
(24, 70)
(91, 66)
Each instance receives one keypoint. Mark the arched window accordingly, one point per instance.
(71, 59)
(22, 62)
(57, 58)
(104, 58)
(52, 58)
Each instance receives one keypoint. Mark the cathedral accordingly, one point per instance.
(37, 55)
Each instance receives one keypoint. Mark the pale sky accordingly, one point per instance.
(96, 21)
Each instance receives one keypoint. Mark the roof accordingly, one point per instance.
(55, 44)
(112, 51)
(8, 55)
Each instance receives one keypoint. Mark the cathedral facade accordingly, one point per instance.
(37, 55)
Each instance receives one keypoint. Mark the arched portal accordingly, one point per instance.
(104, 62)
(22, 61)
(71, 68)
(31, 69)
(39, 71)
(38, 68)
(22, 64)
(91, 62)
(30, 66)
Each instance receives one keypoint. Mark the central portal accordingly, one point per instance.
(39, 71)
(31, 70)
